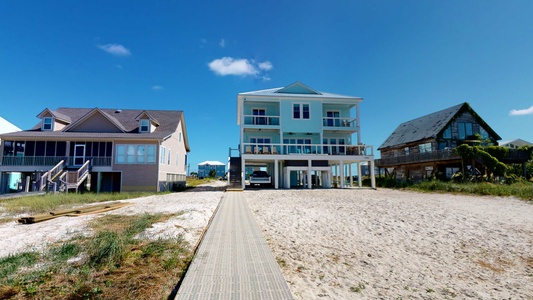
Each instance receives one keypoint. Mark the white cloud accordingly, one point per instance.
(239, 67)
(265, 66)
(115, 49)
(521, 112)
(222, 43)
(157, 88)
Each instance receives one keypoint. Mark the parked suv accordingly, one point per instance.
(260, 178)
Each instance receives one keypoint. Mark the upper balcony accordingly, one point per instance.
(339, 124)
(261, 121)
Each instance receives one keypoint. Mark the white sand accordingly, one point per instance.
(386, 244)
(197, 207)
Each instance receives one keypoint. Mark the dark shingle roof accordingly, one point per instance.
(427, 126)
(125, 119)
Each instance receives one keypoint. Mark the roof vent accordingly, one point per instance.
(118, 111)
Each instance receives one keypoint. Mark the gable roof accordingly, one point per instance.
(125, 119)
(429, 126)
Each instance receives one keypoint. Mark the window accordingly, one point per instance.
(406, 150)
(259, 120)
(260, 144)
(296, 111)
(447, 134)
(162, 155)
(465, 130)
(144, 126)
(332, 118)
(299, 145)
(168, 158)
(48, 124)
(179, 138)
(424, 147)
(300, 111)
(484, 134)
(135, 154)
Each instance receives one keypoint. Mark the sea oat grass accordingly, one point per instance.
(113, 264)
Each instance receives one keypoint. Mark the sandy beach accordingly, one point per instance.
(352, 243)
(196, 207)
(387, 244)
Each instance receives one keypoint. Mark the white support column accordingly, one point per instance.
(372, 175)
(309, 175)
(276, 174)
(359, 176)
(287, 178)
(342, 174)
(350, 174)
(243, 172)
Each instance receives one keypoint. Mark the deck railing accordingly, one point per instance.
(348, 123)
(442, 155)
(49, 160)
(31, 160)
(266, 120)
(307, 149)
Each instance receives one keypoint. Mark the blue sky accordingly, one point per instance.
(405, 58)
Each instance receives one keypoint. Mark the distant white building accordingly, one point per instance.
(205, 168)
(515, 144)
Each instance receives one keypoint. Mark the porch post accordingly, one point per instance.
(372, 175)
(276, 174)
(243, 172)
(309, 175)
(350, 174)
(359, 177)
(341, 174)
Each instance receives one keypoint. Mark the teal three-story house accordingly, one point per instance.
(302, 137)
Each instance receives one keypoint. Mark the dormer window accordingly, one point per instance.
(144, 126)
(48, 123)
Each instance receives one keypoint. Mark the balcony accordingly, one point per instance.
(49, 160)
(513, 156)
(307, 149)
(261, 120)
(330, 123)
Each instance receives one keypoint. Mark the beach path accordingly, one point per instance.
(233, 260)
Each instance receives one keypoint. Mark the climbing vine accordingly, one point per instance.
(490, 157)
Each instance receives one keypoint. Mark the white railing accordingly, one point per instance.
(307, 149)
(266, 120)
(339, 122)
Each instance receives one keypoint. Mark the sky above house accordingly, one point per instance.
(405, 58)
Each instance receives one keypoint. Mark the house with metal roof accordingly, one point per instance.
(100, 150)
(423, 147)
(302, 137)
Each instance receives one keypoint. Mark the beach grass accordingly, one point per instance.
(114, 263)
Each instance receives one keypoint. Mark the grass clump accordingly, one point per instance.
(49, 202)
(522, 189)
(116, 263)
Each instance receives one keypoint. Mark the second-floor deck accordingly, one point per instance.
(306, 149)
(513, 156)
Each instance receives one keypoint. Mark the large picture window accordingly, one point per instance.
(135, 154)
(424, 147)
